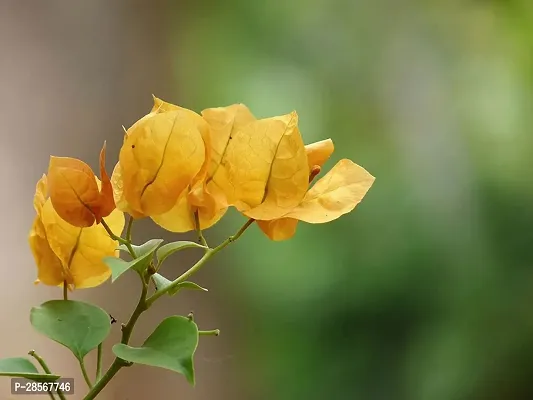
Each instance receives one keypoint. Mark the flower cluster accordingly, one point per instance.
(184, 169)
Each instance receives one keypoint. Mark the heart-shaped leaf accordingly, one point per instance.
(144, 255)
(20, 367)
(141, 249)
(161, 282)
(170, 248)
(77, 325)
(170, 346)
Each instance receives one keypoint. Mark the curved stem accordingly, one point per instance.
(240, 231)
(85, 375)
(199, 264)
(201, 238)
(41, 362)
(141, 307)
(128, 229)
(118, 238)
(111, 372)
(126, 334)
(47, 370)
(99, 362)
(144, 303)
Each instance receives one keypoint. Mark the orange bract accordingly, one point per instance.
(75, 193)
(67, 253)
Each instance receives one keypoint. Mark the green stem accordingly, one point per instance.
(126, 334)
(201, 237)
(111, 372)
(118, 238)
(99, 362)
(214, 332)
(47, 370)
(128, 229)
(199, 264)
(41, 362)
(145, 303)
(85, 375)
(65, 290)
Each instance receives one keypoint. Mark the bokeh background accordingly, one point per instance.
(424, 292)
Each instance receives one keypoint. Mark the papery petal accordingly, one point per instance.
(159, 159)
(208, 198)
(41, 194)
(81, 250)
(264, 171)
(224, 122)
(203, 195)
(49, 268)
(337, 193)
(161, 106)
(86, 267)
(180, 218)
(210, 207)
(73, 190)
(319, 152)
(118, 193)
(279, 229)
(107, 203)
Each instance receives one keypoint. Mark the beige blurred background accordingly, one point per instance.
(72, 74)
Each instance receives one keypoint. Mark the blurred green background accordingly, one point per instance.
(424, 292)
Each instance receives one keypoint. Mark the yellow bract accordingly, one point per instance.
(205, 196)
(76, 196)
(279, 229)
(50, 270)
(174, 164)
(264, 172)
(337, 193)
(319, 152)
(66, 253)
(259, 166)
(162, 154)
(118, 193)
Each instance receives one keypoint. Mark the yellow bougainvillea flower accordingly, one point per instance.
(263, 171)
(160, 158)
(66, 253)
(74, 192)
(336, 194)
(175, 163)
(204, 196)
(118, 193)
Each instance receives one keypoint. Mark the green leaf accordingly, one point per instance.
(170, 248)
(77, 325)
(144, 255)
(161, 282)
(20, 367)
(143, 248)
(170, 346)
